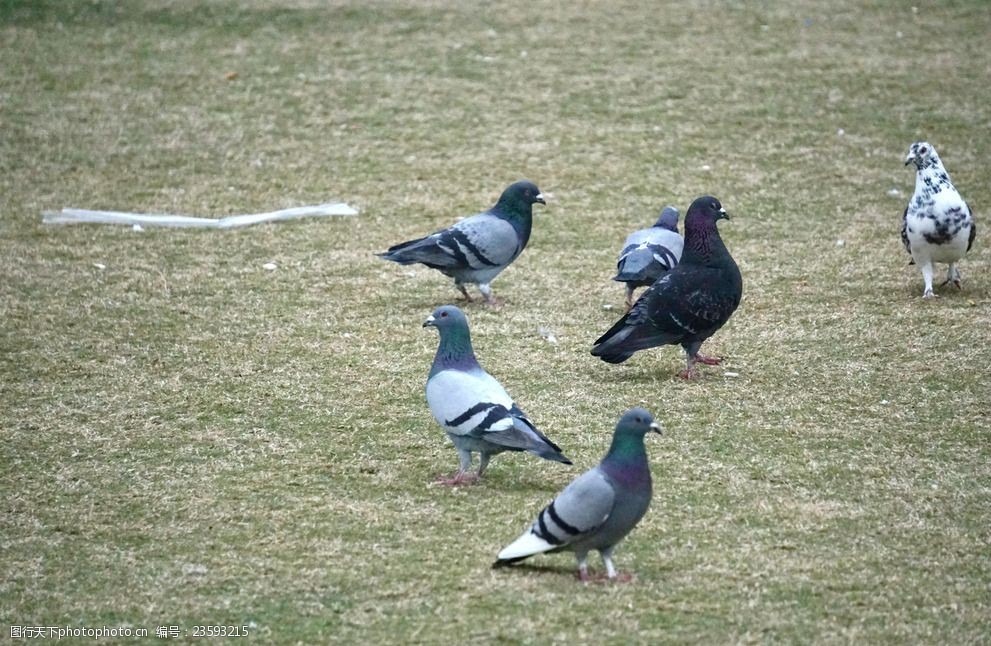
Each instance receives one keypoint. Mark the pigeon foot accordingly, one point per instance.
(929, 295)
(465, 294)
(709, 361)
(687, 374)
(458, 479)
(952, 281)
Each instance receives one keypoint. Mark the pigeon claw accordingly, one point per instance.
(709, 361)
(458, 479)
(687, 374)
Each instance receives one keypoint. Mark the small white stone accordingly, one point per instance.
(138, 228)
(840, 132)
(840, 243)
(894, 192)
(547, 335)
(607, 307)
(731, 374)
(706, 167)
(884, 402)
(99, 265)
(270, 266)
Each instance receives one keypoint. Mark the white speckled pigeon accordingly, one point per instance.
(475, 410)
(686, 305)
(937, 225)
(648, 253)
(600, 507)
(478, 248)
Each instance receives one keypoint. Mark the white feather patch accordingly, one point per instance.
(526, 545)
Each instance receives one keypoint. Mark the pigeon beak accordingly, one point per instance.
(654, 426)
(908, 160)
(430, 322)
(723, 214)
(540, 199)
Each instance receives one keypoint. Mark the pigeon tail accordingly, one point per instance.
(624, 339)
(422, 250)
(523, 547)
(555, 456)
(525, 436)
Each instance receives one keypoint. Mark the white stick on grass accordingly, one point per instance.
(78, 216)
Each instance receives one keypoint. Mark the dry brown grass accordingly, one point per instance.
(190, 439)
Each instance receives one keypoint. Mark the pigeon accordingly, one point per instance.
(937, 225)
(648, 253)
(686, 305)
(478, 248)
(600, 507)
(475, 410)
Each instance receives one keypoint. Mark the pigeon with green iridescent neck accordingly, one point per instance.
(478, 248)
(475, 410)
(648, 253)
(600, 507)
(686, 305)
(937, 225)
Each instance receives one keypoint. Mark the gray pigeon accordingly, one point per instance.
(600, 507)
(478, 248)
(475, 410)
(937, 225)
(688, 304)
(648, 253)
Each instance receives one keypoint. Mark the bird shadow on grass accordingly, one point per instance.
(508, 484)
(663, 376)
(536, 568)
(597, 578)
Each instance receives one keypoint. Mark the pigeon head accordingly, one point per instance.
(446, 317)
(704, 213)
(626, 461)
(922, 154)
(668, 219)
(454, 350)
(520, 197)
(636, 423)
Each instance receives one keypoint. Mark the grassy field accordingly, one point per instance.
(189, 438)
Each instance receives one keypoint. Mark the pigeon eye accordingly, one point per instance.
(443, 315)
(923, 150)
(639, 420)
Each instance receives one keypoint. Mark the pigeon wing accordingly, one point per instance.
(477, 242)
(469, 403)
(973, 228)
(575, 514)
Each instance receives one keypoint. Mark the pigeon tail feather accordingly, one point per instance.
(523, 547)
(624, 339)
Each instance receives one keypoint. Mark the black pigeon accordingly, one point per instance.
(478, 248)
(689, 303)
